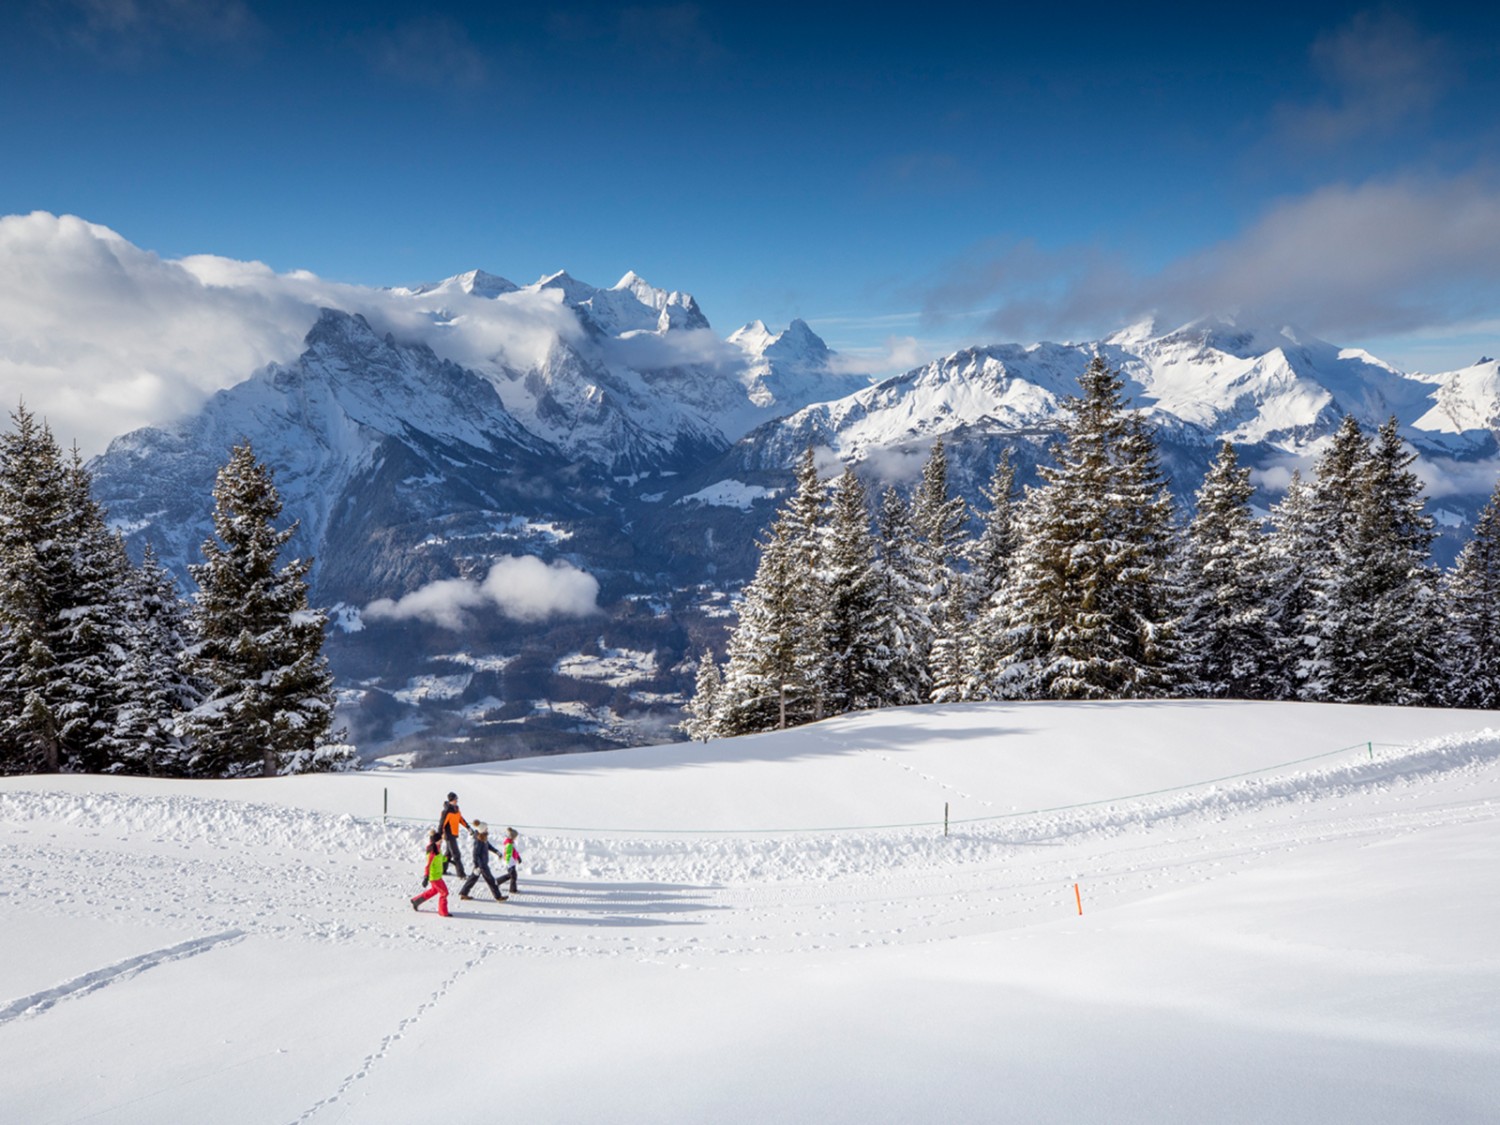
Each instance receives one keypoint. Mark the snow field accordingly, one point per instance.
(1308, 942)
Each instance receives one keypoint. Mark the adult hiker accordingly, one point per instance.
(432, 875)
(482, 850)
(449, 824)
(510, 857)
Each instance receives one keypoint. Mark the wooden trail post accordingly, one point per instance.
(945, 818)
(385, 809)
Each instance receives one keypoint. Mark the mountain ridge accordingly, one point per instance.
(649, 453)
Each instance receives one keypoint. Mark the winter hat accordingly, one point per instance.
(452, 796)
(480, 828)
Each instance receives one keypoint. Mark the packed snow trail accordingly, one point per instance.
(604, 888)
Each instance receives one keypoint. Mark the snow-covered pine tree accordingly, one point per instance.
(700, 710)
(1382, 629)
(858, 659)
(62, 609)
(155, 689)
(776, 660)
(952, 645)
(905, 627)
(1294, 550)
(258, 646)
(938, 520)
(1232, 648)
(93, 632)
(1090, 613)
(35, 566)
(990, 556)
(1340, 480)
(1471, 655)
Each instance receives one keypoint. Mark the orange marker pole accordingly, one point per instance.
(1078, 898)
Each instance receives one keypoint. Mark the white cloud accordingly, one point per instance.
(895, 356)
(647, 351)
(1379, 71)
(522, 588)
(1443, 476)
(1345, 261)
(101, 337)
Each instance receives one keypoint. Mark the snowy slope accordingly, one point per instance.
(1287, 914)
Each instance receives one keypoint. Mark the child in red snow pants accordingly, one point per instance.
(432, 876)
(435, 887)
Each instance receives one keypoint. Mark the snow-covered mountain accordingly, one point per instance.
(625, 440)
(635, 379)
(1209, 381)
(406, 472)
(1277, 394)
(371, 439)
(1463, 403)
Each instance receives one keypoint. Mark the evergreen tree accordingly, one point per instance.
(34, 571)
(1229, 630)
(258, 646)
(905, 627)
(93, 629)
(1381, 625)
(1471, 656)
(938, 521)
(1329, 646)
(951, 647)
(990, 554)
(856, 642)
(1090, 611)
(155, 688)
(1294, 553)
(990, 563)
(774, 675)
(62, 609)
(701, 708)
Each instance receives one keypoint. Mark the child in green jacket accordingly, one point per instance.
(432, 875)
(510, 857)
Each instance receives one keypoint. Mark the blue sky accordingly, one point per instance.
(907, 179)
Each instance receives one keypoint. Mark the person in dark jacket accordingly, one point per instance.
(482, 850)
(449, 824)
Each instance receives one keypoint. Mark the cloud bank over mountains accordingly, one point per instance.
(102, 337)
(1346, 261)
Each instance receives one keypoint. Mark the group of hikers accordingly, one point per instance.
(443, 849)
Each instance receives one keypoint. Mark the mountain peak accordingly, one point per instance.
(482, 284)
(334, 327)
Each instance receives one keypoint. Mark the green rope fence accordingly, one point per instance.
(1369, 747)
